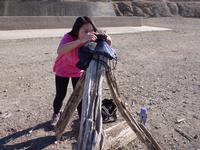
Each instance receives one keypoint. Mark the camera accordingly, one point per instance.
(100, 37)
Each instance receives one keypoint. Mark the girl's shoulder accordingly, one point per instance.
(67, 38)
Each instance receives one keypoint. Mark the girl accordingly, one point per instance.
(83, 31)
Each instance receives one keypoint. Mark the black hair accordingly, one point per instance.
(80, 21)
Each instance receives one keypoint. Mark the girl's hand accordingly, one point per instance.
(109, 40)
(89, 37)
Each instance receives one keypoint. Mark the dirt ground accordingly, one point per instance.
(160, 70)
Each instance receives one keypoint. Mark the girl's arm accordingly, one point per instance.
(64, 48)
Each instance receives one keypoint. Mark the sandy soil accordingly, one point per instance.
(160, 70)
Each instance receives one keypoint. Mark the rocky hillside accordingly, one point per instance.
(156, 8)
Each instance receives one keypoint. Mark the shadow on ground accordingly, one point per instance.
(40, 142)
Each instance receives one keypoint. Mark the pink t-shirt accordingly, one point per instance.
(65, 64)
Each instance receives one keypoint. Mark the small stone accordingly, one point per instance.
(30, 131)
(150, 103)
(173, 91)
(13, 130)
(6, 115)
(175, 139)
(165, 136)
(185, 102)
(157, 127)
(166, 98)
(20, 78)
(195, 116)
(106, 88)
(196, 136)
(180, 120)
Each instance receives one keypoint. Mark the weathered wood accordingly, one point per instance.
(119, 136)
(90, 134)
(148, 134)
(91, 121)
(70, 107)
(183, 134)
(143, 136)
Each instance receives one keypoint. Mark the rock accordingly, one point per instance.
(138, 11)
(125, 9)
(158, 8)
(30, 131)
(173, 8)
(157, 126)
(21, 77)
(148, 11)
(13, 130)
(195, 116)
(6, 115)
(185, 102)
(28, 85)
(180, 120)
(196, 136)
(161, 9)
(152, 9)
(175, 139)
(173, 91)
(191, 9)
(106, 88)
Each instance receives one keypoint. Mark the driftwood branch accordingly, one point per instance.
(153, 142)
(118, 136)
(183, 134)
(91, 121)
(70, 107)
(144, 136)
(90, 134)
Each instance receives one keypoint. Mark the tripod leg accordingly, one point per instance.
(142, 135)
(70, 107)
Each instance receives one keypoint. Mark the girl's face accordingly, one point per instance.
(84, 30)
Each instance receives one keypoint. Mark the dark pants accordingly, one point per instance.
(61, 90)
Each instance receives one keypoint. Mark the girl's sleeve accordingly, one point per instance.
(66, 39)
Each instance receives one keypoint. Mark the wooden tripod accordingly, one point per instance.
(89, 89)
